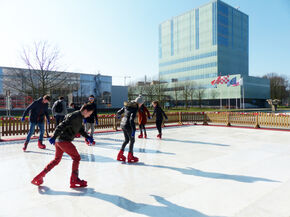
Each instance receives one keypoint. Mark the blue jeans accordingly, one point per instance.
(59, 119)
(32, 128)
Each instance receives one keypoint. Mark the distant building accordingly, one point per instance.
(78, 88)
(207, 42)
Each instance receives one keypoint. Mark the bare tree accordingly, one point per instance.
(42, 72)
(192, 91)
(214, 93)
(278, 86)
(186, 92)
(149, 92)
(200, 92)
(176, 89)
(131, 92)
(160, 92)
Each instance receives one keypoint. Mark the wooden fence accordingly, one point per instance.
(13, 126)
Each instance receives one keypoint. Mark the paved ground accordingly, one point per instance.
(196, 171)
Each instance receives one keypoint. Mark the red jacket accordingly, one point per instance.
(143, 113)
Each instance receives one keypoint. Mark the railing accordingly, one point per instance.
(14, 126)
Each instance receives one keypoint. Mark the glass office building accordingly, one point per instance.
(207, 42)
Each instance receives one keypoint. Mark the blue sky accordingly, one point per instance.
(120, 37)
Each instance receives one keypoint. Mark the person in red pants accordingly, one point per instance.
(62, 138)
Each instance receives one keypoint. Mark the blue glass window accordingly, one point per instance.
(160, 42)
(172, 42)
(196, 28)
(223, 9)
(186, 59)
(214, 23)
(190, 68)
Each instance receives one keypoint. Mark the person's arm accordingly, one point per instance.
(163, 113)
(46, 113)
(121, 111)
(83, 132)
(96, 114)
(65, 108)
(53, 109)
(147, 112)
(31, 106)
(154, 112)
(132, 120)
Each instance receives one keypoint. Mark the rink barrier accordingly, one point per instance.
(11, 126)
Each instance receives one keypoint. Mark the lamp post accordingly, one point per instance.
(125, 77)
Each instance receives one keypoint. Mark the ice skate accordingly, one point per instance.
(131, 158)
(121, 156)
(40, 145)
(25, 146)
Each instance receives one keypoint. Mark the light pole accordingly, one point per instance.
(125, 77)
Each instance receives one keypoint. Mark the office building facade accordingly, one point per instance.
(207, 42)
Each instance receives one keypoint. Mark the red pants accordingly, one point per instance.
(70, 149)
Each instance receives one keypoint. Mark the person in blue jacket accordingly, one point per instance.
(37, 110)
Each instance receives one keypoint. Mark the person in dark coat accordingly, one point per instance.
(129, 110)
(74, 106)
(62, 138)
(159, 117)
(37, 110)
(143, 113)
(92, 120)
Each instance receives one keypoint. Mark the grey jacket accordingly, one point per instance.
(64, 109)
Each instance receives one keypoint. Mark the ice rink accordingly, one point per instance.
(194, 171)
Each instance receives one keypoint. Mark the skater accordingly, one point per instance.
(74, 106)
(143, 113)
(91, 120)
(62, 138)
(59, 110)
(128, 126)
(159, 117)
(36, 110)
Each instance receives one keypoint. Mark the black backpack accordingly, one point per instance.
(58, 107)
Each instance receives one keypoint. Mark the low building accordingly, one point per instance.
(16, 92)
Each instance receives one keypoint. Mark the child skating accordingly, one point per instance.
(159, 117)
(143, 113)
(62, 138)
(128, 126)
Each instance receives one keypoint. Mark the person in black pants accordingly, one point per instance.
(159, 117)
(128, 126)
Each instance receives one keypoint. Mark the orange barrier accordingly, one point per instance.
(13, 126)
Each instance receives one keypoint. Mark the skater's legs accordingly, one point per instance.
(144, 130)
(132, 141)
(56, 160)
(140, 128)
(71, 150)
(41, 130)
(92, 126)
(158, 125)
(127, 139)
(59, 119)
(31, 131)
(87, 127)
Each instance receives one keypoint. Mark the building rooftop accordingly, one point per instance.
(194, 171)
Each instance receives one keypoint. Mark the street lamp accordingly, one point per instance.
(125, 77)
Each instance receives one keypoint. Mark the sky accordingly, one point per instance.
(120, 37)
